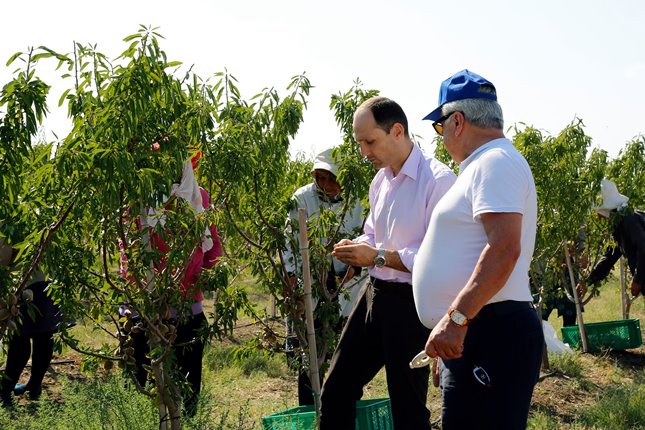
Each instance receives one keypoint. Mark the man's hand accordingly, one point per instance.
(354, 254)
(581, 288)
(349, 274)
(636, 288)
(446, 340)
(291, 280)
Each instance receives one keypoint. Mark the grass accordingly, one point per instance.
(606, 307)
(619, 408)
(588, 391)
(567, 364)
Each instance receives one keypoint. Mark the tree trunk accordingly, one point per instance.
(168, 398)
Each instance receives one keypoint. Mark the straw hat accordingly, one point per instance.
(611, 198)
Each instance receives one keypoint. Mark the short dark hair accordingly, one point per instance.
(386, 113)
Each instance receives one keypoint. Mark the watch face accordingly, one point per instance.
(458, 318)
(379, 260)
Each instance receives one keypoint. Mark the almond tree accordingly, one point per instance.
(567, 179)
(254, 178)
(134, 125)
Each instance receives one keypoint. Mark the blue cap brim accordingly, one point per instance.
(434, 115)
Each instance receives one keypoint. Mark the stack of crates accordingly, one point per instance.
(374, 414)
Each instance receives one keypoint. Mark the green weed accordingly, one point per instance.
(621, 408)
(111, 404)
(567, 364)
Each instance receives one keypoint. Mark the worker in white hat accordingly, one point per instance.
(324, 193)
(629, 235)
(611, 198)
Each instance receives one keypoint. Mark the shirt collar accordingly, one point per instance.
(410, 166)
(495, 143)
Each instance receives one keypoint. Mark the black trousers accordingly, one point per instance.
(17, 357)
(296, 359)
(294, 353)
(383, 330)
(506, 341)
(188, 358)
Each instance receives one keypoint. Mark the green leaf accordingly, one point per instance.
(132, 37)
(61, 100)
(12, 58)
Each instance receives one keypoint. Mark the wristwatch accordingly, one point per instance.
(379, 260)
(458, 318)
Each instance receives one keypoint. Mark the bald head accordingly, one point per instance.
(386, 113)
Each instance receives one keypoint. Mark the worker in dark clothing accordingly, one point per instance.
(628, 231)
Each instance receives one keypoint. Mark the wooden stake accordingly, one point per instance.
(309, 310)
(576, 299)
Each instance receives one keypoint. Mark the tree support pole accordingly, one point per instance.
(576, 299)
(309, 310)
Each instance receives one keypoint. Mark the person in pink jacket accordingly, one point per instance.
(190, 321)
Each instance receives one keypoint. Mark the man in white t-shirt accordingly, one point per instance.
(471, 282)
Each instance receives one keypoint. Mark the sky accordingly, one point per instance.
(552, 61)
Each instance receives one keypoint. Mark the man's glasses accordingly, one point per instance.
(438, 124)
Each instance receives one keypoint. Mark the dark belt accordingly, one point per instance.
(389, 286)
(502, 308)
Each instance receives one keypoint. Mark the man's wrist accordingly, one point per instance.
(457, 317)
(380, 260)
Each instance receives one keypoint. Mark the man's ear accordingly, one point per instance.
(459, 120)
(397, 129)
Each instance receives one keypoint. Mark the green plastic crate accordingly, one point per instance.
(621, 334)
(374, 414)
(298, 418)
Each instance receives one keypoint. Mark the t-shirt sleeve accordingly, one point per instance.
(500, 184)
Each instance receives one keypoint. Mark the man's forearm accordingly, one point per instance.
(393, 260)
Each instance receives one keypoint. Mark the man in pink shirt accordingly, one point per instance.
(384, 329)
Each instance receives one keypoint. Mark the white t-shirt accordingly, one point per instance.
(494, 178)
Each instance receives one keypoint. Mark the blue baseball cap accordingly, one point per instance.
(463, 85)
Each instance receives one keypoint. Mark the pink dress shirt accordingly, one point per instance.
(401, 207)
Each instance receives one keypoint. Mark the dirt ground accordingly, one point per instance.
(561, 396)
(556, 394)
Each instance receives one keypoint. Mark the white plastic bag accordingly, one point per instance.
(553, 344)
(353, 287)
